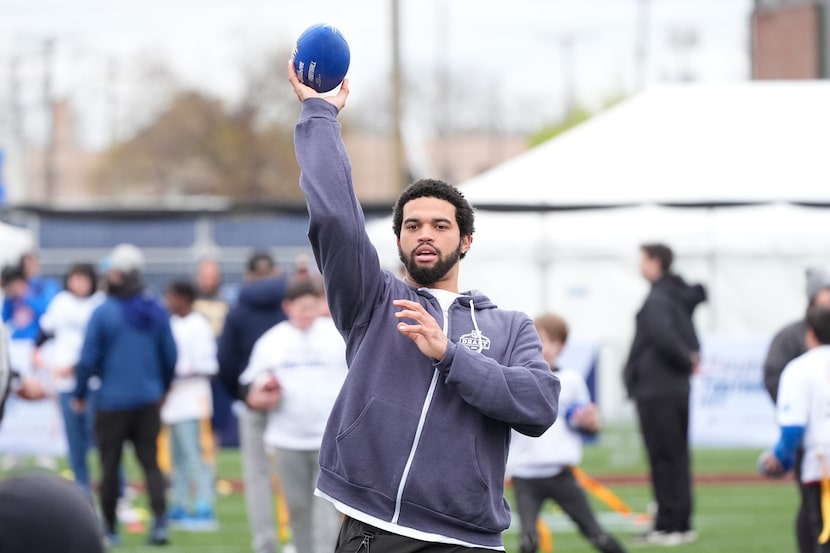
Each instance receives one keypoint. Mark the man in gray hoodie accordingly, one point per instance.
(415, 448)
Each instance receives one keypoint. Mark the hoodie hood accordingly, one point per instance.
(143, 311)
(690, 295)
(479, 300)
(263, 294)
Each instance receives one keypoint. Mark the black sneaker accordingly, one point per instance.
(159, 536)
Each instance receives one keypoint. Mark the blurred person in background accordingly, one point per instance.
(129, 345)
(213, 301)
(787, 344)
(664, 354)
(542, 468)
(211, 297)
(63, 326)
(22, 311)
(259, 307)
(41, 288)
(5, 371)
(802, 401)
(187, 408)
(295, 372)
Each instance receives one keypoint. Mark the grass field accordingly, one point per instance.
(733, 511)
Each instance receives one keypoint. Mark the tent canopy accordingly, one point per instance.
(699, 144)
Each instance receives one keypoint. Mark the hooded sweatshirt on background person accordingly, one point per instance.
(258, 308)
(129, 344)
(791, 341)
(660, 361)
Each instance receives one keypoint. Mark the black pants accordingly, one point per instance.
(358, 537)
(141, 428)
(664, 422)
(811, 504)
(563, 488)
(803, 527)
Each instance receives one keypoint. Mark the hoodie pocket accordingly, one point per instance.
(372, 451)
(446, 478)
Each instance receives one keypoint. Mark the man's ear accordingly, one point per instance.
(466, 243)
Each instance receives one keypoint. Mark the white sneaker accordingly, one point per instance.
(689, 536)
(659, 537)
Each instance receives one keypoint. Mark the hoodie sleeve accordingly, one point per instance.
(168, 354)
(229, 354)
(347, 259)
(523, 394)
(788, 344)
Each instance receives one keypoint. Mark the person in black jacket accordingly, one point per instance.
(664, 354)
(258, 308)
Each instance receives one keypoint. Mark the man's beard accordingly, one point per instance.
(427, 276)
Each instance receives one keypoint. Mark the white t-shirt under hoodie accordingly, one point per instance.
(310, 366)
(189, 397)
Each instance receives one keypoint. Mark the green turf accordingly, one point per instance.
(729, 517)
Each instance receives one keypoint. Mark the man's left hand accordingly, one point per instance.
(426, 332)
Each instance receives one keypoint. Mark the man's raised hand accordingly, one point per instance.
(304, 92)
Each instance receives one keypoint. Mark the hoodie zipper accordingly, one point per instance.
(419, 429)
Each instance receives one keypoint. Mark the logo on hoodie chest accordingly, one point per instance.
(475, 341)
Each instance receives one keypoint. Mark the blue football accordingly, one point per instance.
(321, 57)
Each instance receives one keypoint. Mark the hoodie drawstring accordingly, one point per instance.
(475, 326)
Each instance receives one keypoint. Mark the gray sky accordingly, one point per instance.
(511, 51)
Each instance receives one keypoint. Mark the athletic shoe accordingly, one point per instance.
(159, 535)
(203, 519)
(689, 536)
(176, 515)
(659, 537)
(112, 540)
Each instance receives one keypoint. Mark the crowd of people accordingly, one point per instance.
(128, 365)
(393, 409)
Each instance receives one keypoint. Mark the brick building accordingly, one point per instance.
(789, 39)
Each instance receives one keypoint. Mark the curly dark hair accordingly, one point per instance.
(432, 188)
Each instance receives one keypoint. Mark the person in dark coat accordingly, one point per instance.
(258, 308)
(664, 354)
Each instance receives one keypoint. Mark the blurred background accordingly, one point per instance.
(584, 127)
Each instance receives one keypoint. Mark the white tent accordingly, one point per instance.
(14, 241)
(731, 176)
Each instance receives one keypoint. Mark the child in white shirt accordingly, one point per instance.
(296, 370)
(187, 405)
(541, 468)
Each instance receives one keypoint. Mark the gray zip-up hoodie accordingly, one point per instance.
(413, 442)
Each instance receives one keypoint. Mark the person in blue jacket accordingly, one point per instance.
(414, 450)
(129, 345)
